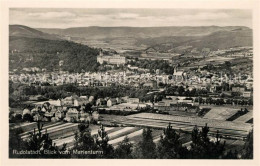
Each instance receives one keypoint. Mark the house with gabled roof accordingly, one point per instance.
(72, 115)
(111, 102)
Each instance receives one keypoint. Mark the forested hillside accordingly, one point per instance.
(214, 41)
(43, 53)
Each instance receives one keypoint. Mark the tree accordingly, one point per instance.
(124, 149)
(15, 142)
(42, 142)
(202, 147)
(247, 152)
(209, 100)
(231, 155)
(84, 140)
(102, 143)
(180, 90)
(227, 65)
(200, 100)
(170, 146)
(146, 148)
(18, 118)
(27, 118)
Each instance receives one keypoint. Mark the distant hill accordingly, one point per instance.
(214, 41)
(139, 32)
(165, 39)
(44, 48)
(224, 39)
(24, 31)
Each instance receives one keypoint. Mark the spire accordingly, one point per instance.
(101, 52)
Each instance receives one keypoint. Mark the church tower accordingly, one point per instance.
(101, 53)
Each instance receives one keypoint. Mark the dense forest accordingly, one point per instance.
(162, 65)
(35, 52)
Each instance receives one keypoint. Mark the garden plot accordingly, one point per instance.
(121, 132)
(70, 140)
(48, 126)
(120, 139)
(245, 118)
(220, 113)
(225, 128)
(62, 133)
(23, 126)
(57, 130)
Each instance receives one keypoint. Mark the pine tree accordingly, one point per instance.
(170, 146)
(146, 149)
(124, 149)
(41, 141)
(248, 146)
(84, 141)
(202, 147)
(102, 143)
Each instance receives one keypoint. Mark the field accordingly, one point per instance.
(220, 113)
(218, 59)
(62, 133)
(226, 128)
(245, 118)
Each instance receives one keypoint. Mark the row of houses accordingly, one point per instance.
(48, 112)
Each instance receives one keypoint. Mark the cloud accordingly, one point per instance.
(65, 18)
(52, 15)
(127, 16)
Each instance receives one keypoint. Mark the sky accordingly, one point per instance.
(67, 18)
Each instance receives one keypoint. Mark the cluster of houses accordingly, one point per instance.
(74, 109)
(70, 109)
(54, 113)
(131, 78)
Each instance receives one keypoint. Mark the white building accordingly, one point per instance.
(114, 59)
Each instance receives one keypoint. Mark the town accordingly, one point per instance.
(222, 102)
(130, 92)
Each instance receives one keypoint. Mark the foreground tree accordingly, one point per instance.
(15, 142)
(230, 155)
(247, 152)
(42, 142)
(170, 146)
(124, 149)
(84, 141)
(202, 147)
(102, 143)
(146, 149)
